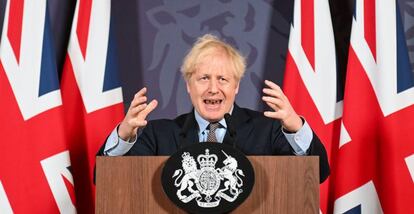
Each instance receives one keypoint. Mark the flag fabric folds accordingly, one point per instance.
(53, 128)
(35, 167)
(91, 92)
(368, 132)
(375, 160)
(311, 78)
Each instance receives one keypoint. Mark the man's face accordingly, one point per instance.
(213, 87)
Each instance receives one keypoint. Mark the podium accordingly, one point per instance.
(283, 184)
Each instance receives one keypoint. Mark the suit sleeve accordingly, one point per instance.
(281, 146)
(144, 145)
(317, 149)
(146, 142)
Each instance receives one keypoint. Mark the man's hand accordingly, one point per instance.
(136, 115)
(282, 110)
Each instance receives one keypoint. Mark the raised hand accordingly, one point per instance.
(282, 110)
(136, 116)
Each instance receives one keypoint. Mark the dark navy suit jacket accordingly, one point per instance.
(249, 131)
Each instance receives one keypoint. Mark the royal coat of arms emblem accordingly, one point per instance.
(208, 178)
(204, 184)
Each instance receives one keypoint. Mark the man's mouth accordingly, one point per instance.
(212, 102)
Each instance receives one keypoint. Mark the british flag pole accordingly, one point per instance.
(35, 174)
(375, 160)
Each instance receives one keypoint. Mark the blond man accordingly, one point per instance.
(212, 71)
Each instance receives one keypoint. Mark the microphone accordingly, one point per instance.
(230, 129)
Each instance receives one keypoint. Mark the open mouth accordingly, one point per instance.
(212, 102)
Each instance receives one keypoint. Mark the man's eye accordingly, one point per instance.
(204, 78)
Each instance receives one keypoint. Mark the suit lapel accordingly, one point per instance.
(188, 132)
(192, 136)
(242, 127)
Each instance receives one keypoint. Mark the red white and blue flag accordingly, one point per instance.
(35, 168)
(368, 133)
(375, 162)
(311, 76)
(91, 92)
(54, 130)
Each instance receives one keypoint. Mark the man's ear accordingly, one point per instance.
(188, 86)
(237, 87)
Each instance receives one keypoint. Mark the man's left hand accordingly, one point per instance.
(282, 110)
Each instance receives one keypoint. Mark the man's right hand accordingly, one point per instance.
(136, 115)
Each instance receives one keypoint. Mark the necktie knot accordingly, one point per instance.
(213, 126)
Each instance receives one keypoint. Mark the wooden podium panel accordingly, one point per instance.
(283, 184)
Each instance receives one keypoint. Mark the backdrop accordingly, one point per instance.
(152, 38)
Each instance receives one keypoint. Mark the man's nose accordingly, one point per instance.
(213, 87)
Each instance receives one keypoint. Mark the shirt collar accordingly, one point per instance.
(203, 124)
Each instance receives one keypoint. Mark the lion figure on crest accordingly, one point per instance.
(190, 175)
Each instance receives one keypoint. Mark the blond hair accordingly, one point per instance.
(208, 45)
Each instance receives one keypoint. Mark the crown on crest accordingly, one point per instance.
(207, 160)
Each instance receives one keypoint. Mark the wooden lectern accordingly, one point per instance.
(284, 184)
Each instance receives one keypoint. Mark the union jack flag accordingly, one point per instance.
(368, 133)
(375, 162)
(35, 168)
(91, 92)
(50, 125)
(311, 77)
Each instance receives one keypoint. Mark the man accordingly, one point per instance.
(212, 71)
